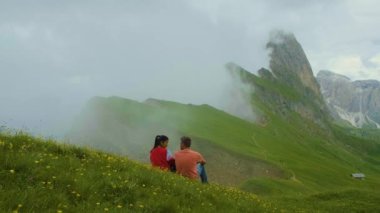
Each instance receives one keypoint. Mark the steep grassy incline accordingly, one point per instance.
(304, 138)
(42, 176)
(129, 127)
(294, 157)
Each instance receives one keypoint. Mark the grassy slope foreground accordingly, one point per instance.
(42, 176)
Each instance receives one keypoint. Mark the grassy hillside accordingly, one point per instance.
(129, 127)
(39, 175)
(284, 157)
(293, 150)
(42, 176)
(322, 152)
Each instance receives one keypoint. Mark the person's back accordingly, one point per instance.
(186, 160)
(158, 157)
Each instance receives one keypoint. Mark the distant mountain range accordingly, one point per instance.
(357, 102)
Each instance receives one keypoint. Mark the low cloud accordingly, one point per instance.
(238, 96)
(176, 50)
(356, 68)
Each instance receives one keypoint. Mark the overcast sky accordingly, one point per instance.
(55, 55)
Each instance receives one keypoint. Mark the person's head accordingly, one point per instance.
(185, 142)
(161, 140)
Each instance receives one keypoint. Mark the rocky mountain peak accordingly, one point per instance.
(357, 102)
(288, 85)
(289, 62)
(326, 74)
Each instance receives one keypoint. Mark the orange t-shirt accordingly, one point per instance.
(186, 162)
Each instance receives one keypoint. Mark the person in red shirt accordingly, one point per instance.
(160, 156)
(190, 163)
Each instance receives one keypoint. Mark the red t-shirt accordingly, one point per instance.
(158, 157)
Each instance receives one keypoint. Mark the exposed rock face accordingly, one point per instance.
(289, 85)
(289, 63)
(357, 102)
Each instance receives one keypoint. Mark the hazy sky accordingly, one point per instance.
(55, 55)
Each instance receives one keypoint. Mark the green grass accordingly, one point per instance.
(348, 200)
(296, 150)
(274, 187)
(296, 159)
(38, 175)
(41, 176)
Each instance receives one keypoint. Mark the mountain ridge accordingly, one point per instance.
(294, 141)
(356, 102)
(288, 86)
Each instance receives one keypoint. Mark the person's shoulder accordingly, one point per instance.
(194, 152)
(178, 152)
(159, 149)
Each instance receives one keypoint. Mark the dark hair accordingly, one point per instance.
(159, 139)
(186, 141)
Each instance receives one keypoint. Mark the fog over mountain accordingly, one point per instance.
(57, 55)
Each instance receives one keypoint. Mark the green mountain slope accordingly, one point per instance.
(42, 176)
(129, 127)
(297, 158)
(294, 153)
(288, 99)
(37, 175)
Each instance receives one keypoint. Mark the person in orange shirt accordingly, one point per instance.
(190, 163)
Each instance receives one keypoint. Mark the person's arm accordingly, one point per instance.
(201, 160)
(169, 155)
